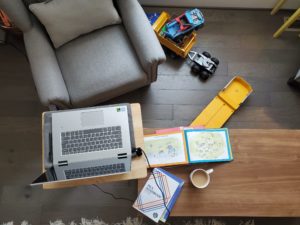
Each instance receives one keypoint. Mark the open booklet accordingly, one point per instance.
(188, 146)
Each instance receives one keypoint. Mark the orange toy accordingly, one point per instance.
(5, 20)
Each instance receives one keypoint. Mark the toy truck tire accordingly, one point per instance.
(173, 55)
(179, 39)
(169, 52)
(196, 69)
(206, 54)
(215, 60)
(204, 75)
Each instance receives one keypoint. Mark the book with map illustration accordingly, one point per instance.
(188, 146)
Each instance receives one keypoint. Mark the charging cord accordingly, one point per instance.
(112, 195)
(138, 151)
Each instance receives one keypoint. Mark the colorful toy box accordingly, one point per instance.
(181, 49)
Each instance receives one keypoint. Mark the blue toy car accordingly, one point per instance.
(184, 24)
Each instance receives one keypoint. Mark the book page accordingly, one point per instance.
(208, 145)
(165, 149)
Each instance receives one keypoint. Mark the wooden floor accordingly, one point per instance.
(242, 40)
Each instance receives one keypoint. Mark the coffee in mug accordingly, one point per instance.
(200, 178)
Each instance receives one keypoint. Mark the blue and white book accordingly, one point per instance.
(208, 145)
(151, 202)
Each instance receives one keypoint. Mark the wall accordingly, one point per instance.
(259, 4)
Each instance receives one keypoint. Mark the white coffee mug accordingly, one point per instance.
(200, 178)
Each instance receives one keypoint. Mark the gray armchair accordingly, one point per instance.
(92, 68)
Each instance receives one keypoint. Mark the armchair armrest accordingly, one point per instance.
(46, 73)
(142, 36)
(17, 12)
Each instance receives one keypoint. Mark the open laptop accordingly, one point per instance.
(90, 142)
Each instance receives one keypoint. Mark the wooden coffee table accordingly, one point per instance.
(263, 179)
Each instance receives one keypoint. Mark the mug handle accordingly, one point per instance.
(209, 171)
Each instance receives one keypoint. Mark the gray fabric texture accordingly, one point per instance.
(142, 36)
(66, 20)
(94, 67)
(99, 66)
(45, 70)
(17, 12)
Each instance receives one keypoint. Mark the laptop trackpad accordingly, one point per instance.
(92, 118)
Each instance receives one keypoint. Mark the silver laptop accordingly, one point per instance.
(91, 142)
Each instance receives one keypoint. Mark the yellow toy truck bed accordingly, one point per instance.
(219, 110)
(183, 49)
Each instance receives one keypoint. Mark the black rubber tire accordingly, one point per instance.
(215, 60)
(173, 55)
(166, 50)
(293, 83)
(196, 69)
(204, 75)
(170, 53)
(179, 39)
(206, 54)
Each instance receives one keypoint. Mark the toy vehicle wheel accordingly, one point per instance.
(170, 53)
(204, 75)
(293, 83)
(196, 69)
(206, 54)
(179, 40)
(173, 55)
(215, 60)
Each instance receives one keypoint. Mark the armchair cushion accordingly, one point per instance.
(100, 66)
(66, 20)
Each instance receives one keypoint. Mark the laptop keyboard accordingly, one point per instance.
(95, 171)
(91, 140)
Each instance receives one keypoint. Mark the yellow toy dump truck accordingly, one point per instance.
(181, 49)
(219, 110)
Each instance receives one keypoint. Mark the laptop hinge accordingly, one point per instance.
(63, 163)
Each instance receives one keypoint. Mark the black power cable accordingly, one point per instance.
(112, 195)
(138, 152)
(163, 194)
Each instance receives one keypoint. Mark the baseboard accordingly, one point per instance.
(236, 4)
